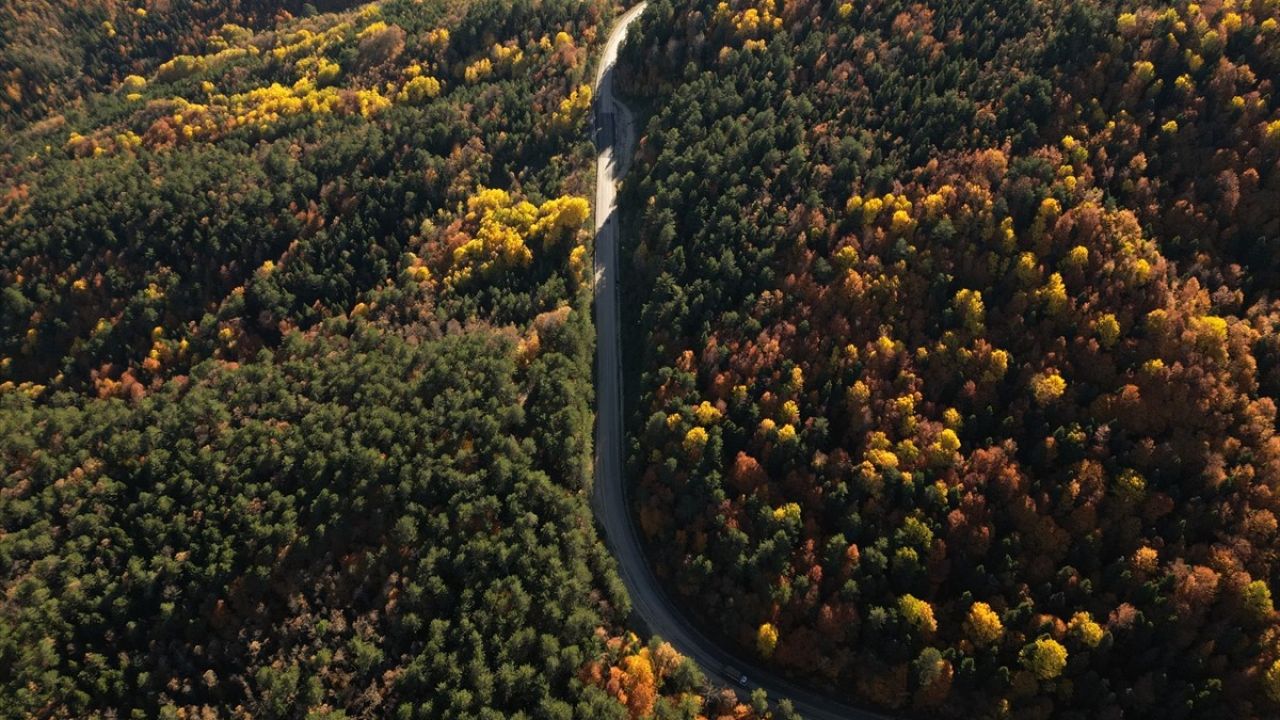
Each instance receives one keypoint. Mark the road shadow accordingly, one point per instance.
(606, 232)
(608, 127)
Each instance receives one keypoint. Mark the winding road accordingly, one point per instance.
(614, 129)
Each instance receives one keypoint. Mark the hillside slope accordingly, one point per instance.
(295, 387)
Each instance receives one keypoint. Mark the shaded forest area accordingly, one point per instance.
(960, 361)
(295, 364)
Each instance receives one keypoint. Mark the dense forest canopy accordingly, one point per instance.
(282, 174)
(270, 536)
(955, 322)
(958, 326)
(53, 52)
(295, 363)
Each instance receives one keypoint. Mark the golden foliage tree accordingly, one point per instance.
(1045, 658)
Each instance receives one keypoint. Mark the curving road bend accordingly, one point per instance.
(614, 128)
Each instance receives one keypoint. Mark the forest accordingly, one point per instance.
(295, 367)
(957, 346)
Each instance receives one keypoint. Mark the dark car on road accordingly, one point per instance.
(736, 675)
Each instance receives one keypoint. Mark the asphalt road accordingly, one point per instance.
(614, 130)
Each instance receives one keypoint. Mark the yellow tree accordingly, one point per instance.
(573, 109)
(1271, 681)
(983, 625)
(419, 89)
(1257, 598)
(918, 613)
(694, 441)
(766, 639)
(560, 218)
(968, 304)
(1045, 658)
(1047, 387)
(1083, 627)
(640, 685)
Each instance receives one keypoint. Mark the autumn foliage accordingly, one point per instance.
(986, 292)
(295, 367)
